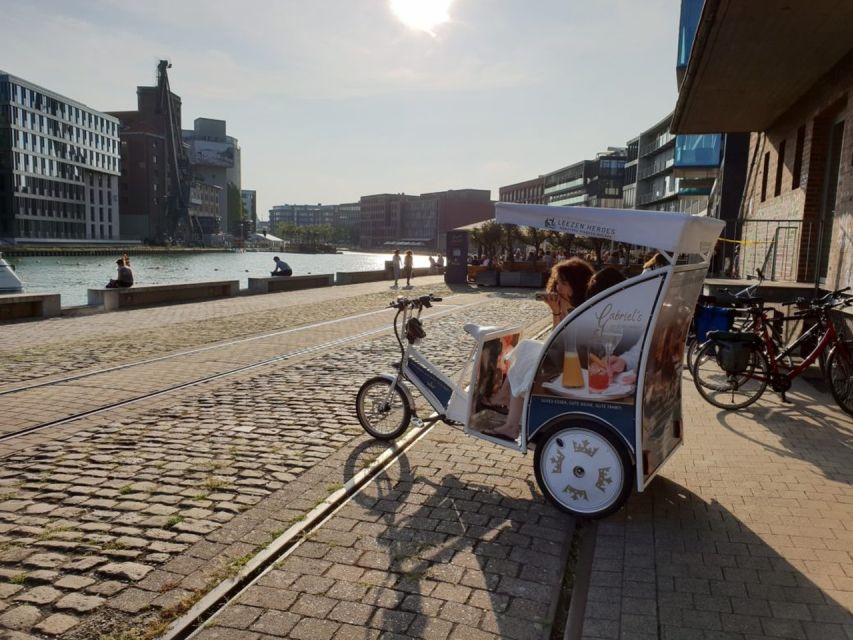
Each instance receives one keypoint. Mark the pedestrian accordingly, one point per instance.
(281, 268)
(395, 267)
(408, 263)
(124, 277)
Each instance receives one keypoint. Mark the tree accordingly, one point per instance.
(533, 236)
(509, 237)
(489, 236)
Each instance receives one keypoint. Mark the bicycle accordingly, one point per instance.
(384, 405)
(733, 369)
(739, 305)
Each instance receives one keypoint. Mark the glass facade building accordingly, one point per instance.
(59, 167)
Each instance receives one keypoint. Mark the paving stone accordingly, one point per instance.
(57, 624)
(45, 560)
(8, 590)
(19, 618)
(79, 603)
(39, 595)
(128, 570)
(74, 582)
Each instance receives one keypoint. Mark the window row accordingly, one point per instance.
(49, 209)
(15, 93)
(48, 126)
(57, 169)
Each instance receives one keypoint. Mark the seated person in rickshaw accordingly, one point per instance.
(566, 289)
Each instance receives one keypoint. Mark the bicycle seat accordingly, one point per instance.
(476, 330)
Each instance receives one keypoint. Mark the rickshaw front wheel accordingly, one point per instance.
(583, 468)
(383, 411)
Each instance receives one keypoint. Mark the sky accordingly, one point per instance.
(334, 99)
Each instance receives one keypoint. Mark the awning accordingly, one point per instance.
(664, 231)
(752, 59)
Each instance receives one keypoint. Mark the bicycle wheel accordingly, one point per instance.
(692, 352)
(384, 412)
(839, 375)
(727, 390)
(583, 468)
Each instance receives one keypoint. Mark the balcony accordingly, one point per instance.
(655, 168)
(562, 186)
(648, 197)
(660, 142)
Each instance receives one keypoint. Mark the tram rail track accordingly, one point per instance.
(289, 355)
(229, 591)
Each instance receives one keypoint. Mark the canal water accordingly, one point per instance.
(70, 276)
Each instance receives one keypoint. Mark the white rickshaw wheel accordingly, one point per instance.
(583, 468)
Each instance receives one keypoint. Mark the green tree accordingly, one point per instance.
(533, 236)
(489, 236)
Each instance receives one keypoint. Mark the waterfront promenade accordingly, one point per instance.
(185, 440)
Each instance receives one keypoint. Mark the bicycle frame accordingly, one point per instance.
(829, 337)
(447, 398)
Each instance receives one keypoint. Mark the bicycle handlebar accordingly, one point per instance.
(414, 303)
(827, 300)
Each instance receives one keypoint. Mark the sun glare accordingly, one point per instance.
(422, 15)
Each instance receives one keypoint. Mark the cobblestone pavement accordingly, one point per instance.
(453, 542)
(118, 520)
(748, 534)
(114, 524)
(26, 408)
(35, 350)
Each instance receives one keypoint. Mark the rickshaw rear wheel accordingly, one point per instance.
(383, 415)
(583, 468)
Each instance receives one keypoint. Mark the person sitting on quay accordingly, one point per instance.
(281, 268)
(124, 278)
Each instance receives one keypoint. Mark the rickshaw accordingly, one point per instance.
(603, 410)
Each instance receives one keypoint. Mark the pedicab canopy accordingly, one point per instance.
(664, 231)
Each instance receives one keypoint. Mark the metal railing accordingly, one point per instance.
(782, 249)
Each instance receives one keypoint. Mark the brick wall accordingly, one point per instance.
(815, 113)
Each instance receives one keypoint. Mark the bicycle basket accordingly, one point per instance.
(733, 349)
(414, 331)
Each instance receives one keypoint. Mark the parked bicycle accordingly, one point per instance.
(734, 309)
(733, 369)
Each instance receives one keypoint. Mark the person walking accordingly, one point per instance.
(408, 263)
(395, 267)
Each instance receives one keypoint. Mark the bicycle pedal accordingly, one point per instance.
(417, 422)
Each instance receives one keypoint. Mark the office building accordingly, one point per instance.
(588, 183)
(59, 167)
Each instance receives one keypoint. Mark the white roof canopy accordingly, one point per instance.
(665, 231)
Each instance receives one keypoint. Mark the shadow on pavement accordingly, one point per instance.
(456, 556)
(811, 428)
(716, 574)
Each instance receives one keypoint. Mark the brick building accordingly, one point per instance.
(783, 71)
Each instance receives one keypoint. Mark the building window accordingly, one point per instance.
(764, 176)
(780, 166)
(798, 157)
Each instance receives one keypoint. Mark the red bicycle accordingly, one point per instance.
(733, 369)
